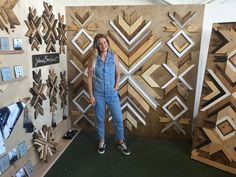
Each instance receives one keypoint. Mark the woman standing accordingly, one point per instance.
(103, 83)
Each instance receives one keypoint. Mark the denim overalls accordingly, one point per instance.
(104, 93)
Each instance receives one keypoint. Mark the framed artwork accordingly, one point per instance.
(29, 168)
(21, 173)
(12, 155)
(22, 149)
(4, 163)
(4, 43)
(17, 44)
(19, 72)
(6, 73)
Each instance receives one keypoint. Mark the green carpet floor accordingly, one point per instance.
(150, 157)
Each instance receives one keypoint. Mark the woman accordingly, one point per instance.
(103, 83)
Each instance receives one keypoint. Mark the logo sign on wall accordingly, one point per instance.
(45, 59)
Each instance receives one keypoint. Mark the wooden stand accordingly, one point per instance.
(13, 80)
(11, 51)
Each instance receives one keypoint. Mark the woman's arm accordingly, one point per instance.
(117, 65)
(90, 82)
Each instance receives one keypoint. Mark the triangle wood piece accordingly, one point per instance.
(147, 76)
(130, 19)
(214, 92)
(180, 48)
(82, 19)
(229, 48)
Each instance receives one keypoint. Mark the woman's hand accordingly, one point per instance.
(92, 100)
(116, 87)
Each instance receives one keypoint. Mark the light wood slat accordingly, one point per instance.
(123, 24)
(118, 51)
(131, 119)
(148, 78)
(195, 155)
(230, 70)
(214, 92)
(140, 99)
(141, 50)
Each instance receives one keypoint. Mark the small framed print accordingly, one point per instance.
(4, 163)
(6, 73)
(29, 168)
(18, 71)
(4, 43)
(12, 155)
(17, 44)
(21, 173)
(22, 149)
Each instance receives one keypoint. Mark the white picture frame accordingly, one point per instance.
(17, 44)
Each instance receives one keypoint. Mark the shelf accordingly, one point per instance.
(11, 51)
(42, 168)
(12, 80)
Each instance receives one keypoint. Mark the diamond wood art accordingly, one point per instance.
(44, 143)
(157, 83)
(8, 15)
(215, 138)
(38, 92)
(79, 52)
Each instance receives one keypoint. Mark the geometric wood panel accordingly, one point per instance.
(215, 138)
(158, 61)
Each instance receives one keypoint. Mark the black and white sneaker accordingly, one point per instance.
(123, 148)
(101, 147)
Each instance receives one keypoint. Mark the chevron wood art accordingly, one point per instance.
(34, 33)
(63, 87)
(49, 28)
(52, 89)
(61, 29)
(214, 139)
(151, 74)
(134, 114)
(44, 143)
(8, 15)
(39, 94)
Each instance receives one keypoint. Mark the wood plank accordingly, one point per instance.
(213, 163)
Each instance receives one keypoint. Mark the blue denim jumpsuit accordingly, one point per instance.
(104, 93)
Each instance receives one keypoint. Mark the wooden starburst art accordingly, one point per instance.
(44, 143)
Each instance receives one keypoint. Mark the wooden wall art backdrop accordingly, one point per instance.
(215, 133)
(7, 15)
(158, 47)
